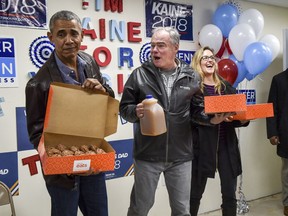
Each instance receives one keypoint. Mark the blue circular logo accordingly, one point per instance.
(145, 53)
(40, 50)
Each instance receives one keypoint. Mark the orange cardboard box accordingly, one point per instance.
(225, 103)
(256, 111)
(75, 117)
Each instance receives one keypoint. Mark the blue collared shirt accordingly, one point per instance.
(69, 75)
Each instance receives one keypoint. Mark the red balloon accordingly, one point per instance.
(228, 70)
(222, 49)
(228, 47)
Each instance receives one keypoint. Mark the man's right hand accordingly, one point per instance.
(140, 110)
(274, 140)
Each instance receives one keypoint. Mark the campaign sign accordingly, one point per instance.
(169, 14)
(185, 56)
(7, 63)
(123, 159)
(9, 171)
(23, 142)
(29, 14)
(250, 95)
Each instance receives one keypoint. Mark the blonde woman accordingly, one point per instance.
(215, 143)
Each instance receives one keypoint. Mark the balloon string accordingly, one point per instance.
(222, 49)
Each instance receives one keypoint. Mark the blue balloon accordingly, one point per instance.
(250, 76)
(225, 18)
(235, 84)
(257, 57)
(242, 70)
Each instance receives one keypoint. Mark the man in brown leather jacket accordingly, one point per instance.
(68, 65)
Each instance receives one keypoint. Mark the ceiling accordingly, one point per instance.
(280, 3)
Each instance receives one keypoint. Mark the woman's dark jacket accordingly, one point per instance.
(176, 144)
(37, 90)
(206, 137)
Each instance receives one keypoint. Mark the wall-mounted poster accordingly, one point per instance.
(8, 75)
(29, 14)
(162, 13)
(9, 171)
(250, 95)
(23, 142)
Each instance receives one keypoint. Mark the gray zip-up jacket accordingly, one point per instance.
(176, 144)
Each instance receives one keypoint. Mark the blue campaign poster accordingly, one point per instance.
(20, 14)
(23, 142)
(123, 159)
(169, 14)
(9, 171)
(250, 95)
(8, 75)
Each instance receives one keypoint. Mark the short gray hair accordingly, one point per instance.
(63, 15)
(173, 33)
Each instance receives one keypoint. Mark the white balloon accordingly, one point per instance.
(210, 35)
(273, 43)
(239, 38)
(254, 18)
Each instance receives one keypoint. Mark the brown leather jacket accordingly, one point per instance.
(37, 90)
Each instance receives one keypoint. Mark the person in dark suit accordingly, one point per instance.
(277, 127)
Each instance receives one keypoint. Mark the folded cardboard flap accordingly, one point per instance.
(225, 103)
(112, 116)
(73, 110)
(256, 111)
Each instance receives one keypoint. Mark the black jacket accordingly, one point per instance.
(176, 144)
(278, 125)
(37, 90)
(206, 137)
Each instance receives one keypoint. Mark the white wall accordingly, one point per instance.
(261, 166)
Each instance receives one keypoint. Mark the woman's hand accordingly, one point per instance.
(220, 117)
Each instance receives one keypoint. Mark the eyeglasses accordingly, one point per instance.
(206, 58)
(159, 45)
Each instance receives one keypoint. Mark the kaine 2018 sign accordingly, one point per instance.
(168, 14)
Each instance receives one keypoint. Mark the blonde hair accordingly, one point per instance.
(196, 65)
